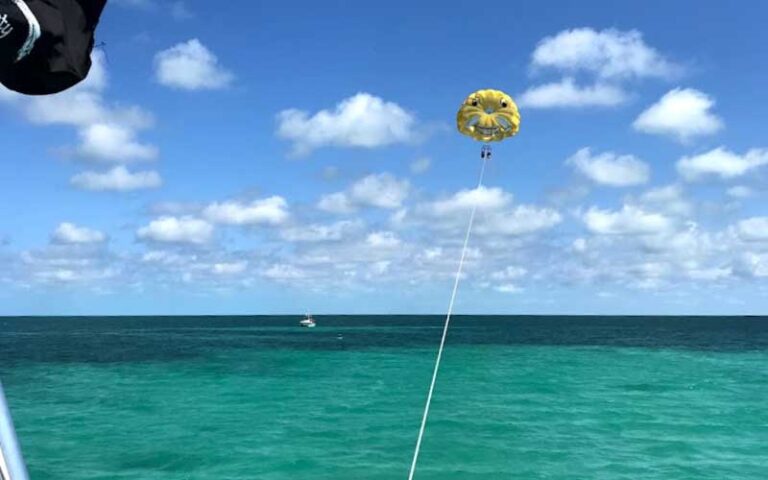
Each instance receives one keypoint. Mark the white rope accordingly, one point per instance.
(445, 328)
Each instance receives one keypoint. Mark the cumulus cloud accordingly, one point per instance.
(75, 255)
(668, 199)
(338, 203)
(382, 190)
(284, 272)
(163, 257)
(118, 179)
(69, 233)
(508, 288)
(630, 220)
(113, 143)
(721, 163)
(177, 230)
(363, 120)
(566, 94)
(267, 211)
(740, 191)
(82, 105)
(520, 220)
(191, 66)
(610, 169)
(383, 240)
(607, 53)
(231, 268)
(754, 264)
(321, 233)
(496, 214)
(107, 131)
(680, 113)
(484, 198)
(66, 275)
(753, 229)
(512, 272)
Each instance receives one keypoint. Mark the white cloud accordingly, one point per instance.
(608, 53)
(363, 120)
(709, 274)
(721, 163)
(630, 220)
(232, 268)
(610, 169)
(283, 272)
(753, 229)
(579, 245)
(381, 267)
(63, 275)
(118, 179)
(566, 94)
(321, 233)
(337, 202)
(177, 230)
(740, 191)
(510, 273)
(668, 199)
(680, 113)
(421, 165)
(107, 131)
(754, 264)
(380, 190)
(191, 66)
(113, 143)
(69, 233)
(521, 220)
(164, 258)
(508, 288)
(75, 255)
(496, 216)
(84, 104)
(270, 211)
(484, 198)
(383, 240)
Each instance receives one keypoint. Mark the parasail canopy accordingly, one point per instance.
(488, 116)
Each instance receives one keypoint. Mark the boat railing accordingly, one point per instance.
(12, 465)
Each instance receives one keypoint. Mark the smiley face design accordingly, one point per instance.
(488, 116)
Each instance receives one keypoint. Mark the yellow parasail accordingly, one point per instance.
(488, 116)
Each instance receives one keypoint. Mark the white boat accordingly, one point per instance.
(308, 322)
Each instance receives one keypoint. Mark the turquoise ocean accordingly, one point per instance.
(203, 398)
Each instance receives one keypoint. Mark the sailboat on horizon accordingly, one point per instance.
(308, 321)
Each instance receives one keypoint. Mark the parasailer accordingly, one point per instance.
(45, 45)
(486, 116)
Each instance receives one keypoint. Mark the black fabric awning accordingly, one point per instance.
(45, 45)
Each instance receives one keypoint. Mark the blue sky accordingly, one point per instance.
(274, 157)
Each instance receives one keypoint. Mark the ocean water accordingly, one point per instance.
(198, 398)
